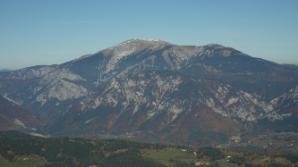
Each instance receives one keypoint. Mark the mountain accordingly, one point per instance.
(155, 91)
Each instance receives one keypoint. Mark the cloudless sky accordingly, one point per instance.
(54, 31)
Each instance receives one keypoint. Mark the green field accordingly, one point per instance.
(32, 162)
(169, 156)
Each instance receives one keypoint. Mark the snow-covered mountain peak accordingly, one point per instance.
(129, 47)
(143, 41)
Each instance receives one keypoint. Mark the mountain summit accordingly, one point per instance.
(157, 91)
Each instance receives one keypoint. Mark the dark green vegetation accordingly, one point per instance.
(73, 152)
(22, 150)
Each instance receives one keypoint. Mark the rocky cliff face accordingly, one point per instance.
(157, 91)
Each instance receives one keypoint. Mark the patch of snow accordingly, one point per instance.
(41, 99)
(118, 54)
(131, 83)
(89, 120)
(11, 100)
(97, 103)
(38, 135)
(62, 90)
(211, 104)
(232, 100)
(274, 116)
(67, 90)
(58, 75)
(19, 123)
(150, 114)
(176, 111)
(111, 100)
(136, 109)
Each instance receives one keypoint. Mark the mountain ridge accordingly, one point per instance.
(155, 90)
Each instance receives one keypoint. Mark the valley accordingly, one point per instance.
(19, 150)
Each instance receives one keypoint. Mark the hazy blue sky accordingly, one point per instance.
(53, 31)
